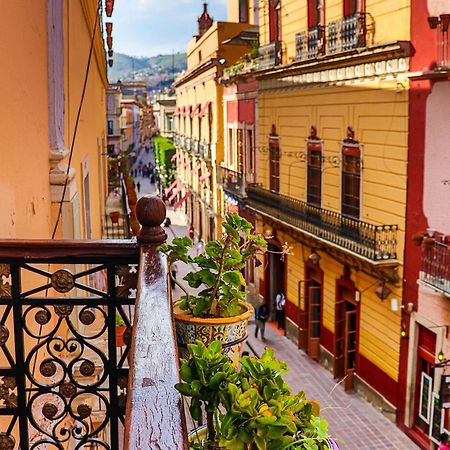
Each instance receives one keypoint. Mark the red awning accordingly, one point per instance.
(167, 190)
(180, 202)
(196, 169)
(177, 112)
(195, 109)
(205, 176)
(175, 193)
(187, 110)
(204, 109)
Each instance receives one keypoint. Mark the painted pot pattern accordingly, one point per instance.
(228, 330)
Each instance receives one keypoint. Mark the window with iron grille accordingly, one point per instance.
(274, 160)
(243, 11)
(351, 180)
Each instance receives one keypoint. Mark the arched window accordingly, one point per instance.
(243, 11)
(351, 176)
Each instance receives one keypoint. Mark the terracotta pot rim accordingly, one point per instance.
(183, 317)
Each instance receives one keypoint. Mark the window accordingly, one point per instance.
(274, 160)
(351, 7)
(315, 13)
(230, 147)
(111, 149)
(240, 150)
(274, 20)
(110, 127)
(351, 181)
(243, 11)
(314, 174)
(250, 152)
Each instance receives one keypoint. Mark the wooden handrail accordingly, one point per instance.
(154, 413)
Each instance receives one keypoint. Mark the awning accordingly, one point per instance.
(177, 112)
(205, 176)
(204, 109)
(195, 169)
(195, 109)
(180, 202)
(167, 190)
(175, 193)
(187, 110)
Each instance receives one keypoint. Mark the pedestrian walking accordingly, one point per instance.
(200, 247)
(173, 273)
(261, 316)
(280, 302)
(191, 233)
(138, 185)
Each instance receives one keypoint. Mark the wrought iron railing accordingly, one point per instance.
(71, 312)
(268, 55)
(435, 270)
(231, 181)
(347, 33)
(205, 151)
(194, 146)
(374, 242)
(301, 45)
(316, 42)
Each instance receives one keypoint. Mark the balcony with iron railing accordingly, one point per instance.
(89, 358)
(268, 55)
(231, 181)
(435, 270)
(338, 36)
(375, 243)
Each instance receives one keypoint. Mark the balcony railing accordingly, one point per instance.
(231, 181)
(195, 147)
(374, 242)
(347, 33)
(67, 378)
(267, 55)
(435, 270)
(316, 44)
(340, 35)
(301, 45)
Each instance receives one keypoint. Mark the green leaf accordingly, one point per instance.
(234, 277)
(231, 231)
(204, 262)
(213, 249)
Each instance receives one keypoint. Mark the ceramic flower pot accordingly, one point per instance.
(120, 330)
(231, 331)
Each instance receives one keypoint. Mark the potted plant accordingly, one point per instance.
(251, 408)
(120, 330)
(218, 310)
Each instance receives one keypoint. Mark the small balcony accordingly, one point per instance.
(316, 42)
(268, 55)
(435, 271)
(347, 33)
(231, 181)
(375, 243)
(301, 45)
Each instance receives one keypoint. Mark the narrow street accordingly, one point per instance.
(355, 424)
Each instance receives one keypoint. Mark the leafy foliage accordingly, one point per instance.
(219, 274)
(253, 408)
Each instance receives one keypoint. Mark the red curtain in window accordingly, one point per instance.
(351, 180)
(313, 13)
(272, 25)
(350, 7)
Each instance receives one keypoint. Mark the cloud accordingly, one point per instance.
(149, 27)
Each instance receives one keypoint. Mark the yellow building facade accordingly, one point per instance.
(43, 94)
(199, 120)
(331, 166)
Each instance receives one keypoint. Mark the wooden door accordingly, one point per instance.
(350, 346)
(314, 296)
(339, 345)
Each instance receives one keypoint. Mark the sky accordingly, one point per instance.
(152, 27)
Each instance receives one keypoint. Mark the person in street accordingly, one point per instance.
(261, 316)
(445, 442)
(191, 233)
(173, 272)
(200, 247)
(280, 302)
(138, 185)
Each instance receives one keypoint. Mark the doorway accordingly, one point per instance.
(346, 336)
(275, 276)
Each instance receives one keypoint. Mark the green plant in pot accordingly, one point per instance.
(251, 408)
(218, 309)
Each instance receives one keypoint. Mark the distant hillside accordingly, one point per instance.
(158, 71)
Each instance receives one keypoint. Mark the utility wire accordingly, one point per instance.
(61, 203)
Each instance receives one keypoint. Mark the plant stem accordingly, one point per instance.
(210, 425)
(180, 286)
(213, 309)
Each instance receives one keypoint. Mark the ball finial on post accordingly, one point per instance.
(151, 213)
